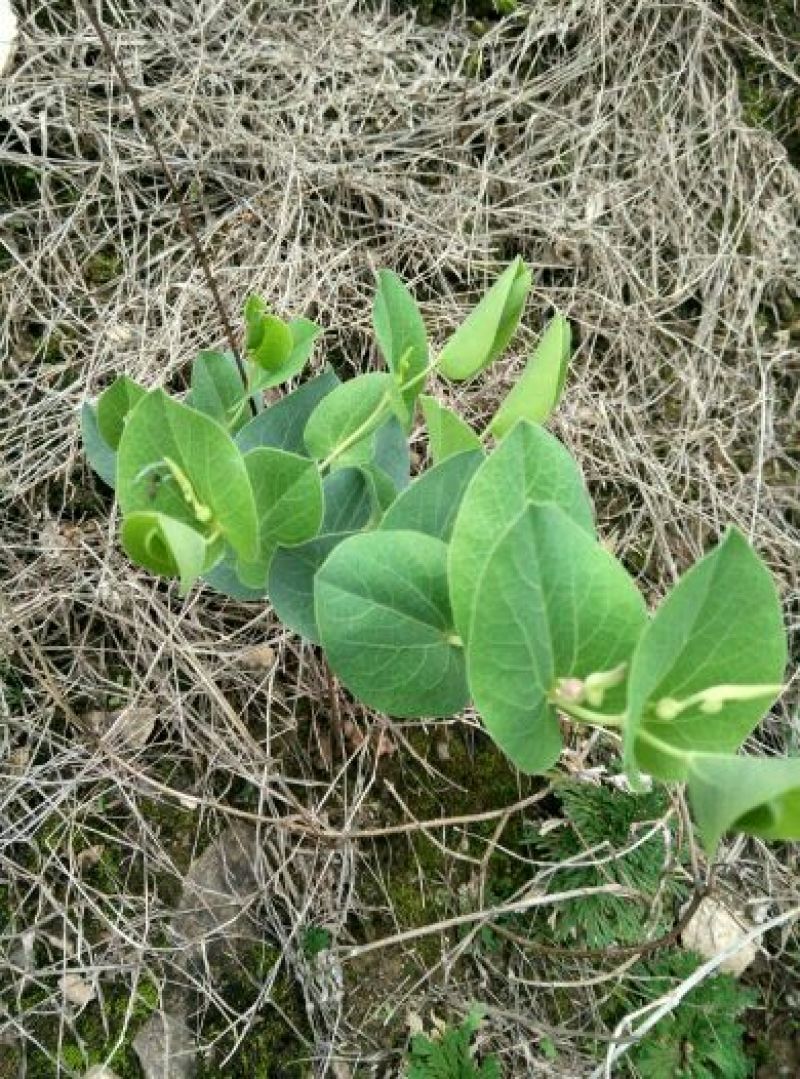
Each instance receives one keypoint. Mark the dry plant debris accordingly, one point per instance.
(314, 142)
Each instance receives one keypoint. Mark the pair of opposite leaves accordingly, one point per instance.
(506, 591)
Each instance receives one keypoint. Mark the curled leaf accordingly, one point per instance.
(488, 329)
(539, 387)
(166, 547)
(756, 795)
(176, 461)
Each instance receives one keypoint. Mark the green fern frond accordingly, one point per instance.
(450, 1057)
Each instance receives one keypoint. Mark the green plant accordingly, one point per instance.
(703, 1037)
(483, 579)
(450, 1056)
(619, 828)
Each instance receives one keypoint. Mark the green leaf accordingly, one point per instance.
(756, 795)
(288, 496)
(391, 453)
(165, 546)
(255, 308)
(488, 329)
(431, 503)
(384, 619)
(269, 340)
(720, 626)
(539, 388)
(549, 603)
(349, 502)
(224, 578)
(530, 465)
(217, 389)
(178, 462)
(340, 426)
(100, 455)
(291, 582)
(381, 489)
(447, 432)
(401, 334)
(114, 406)
(304, 333)
(281, 425)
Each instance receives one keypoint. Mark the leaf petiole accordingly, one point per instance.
(586, 715)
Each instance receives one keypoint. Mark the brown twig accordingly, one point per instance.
(186, 220)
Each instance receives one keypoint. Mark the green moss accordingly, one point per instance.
(95, 1034)
(274, 1046)
(103, 267)
(769, 99)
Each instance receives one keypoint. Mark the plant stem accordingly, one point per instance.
(587, 715)
(360, 432)
(185, 218)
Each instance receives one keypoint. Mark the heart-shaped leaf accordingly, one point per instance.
(384, 619)
(488, 329)
(176, 461)
(530, 465)
(288, 494)
(447, 432)
(340, 427)
(217, 389)
(431, 503)
(166, 547)
(100, 455)
(539, 388)
(291, 582)
(401, 335)
(756, 795)
(550, 603)
(721, 626)
(281, 425)
(114, 406)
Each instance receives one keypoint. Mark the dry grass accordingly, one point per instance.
(315, 142)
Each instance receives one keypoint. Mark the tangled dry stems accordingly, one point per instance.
(315, 142)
